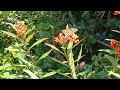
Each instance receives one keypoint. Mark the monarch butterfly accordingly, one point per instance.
(69, 31)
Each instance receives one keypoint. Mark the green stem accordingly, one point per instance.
(30, 56)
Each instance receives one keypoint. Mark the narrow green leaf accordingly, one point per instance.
(115, 74)
(43, 56)
(28, 31)
(110, 51)
(33, 76)
(61, 73)
(63, 63)
(112, 40)
(80, 54)
(71, 60)
(48, 74)
(37, 42)
(116, 31)
(11, 34)
(53, 47)
(29, 38)
(12, 49)
(75, 45)
(113, 61)
(82, 73)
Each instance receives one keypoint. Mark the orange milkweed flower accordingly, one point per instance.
(116, 12)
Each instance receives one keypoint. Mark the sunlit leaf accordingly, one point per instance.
(71, 60)
(29, 38)
(48, 74)
(116, 31)
(110, 51)
(10, 34)
(115, 74)
(33, 76)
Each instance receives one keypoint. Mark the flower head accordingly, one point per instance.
(20, 28)
(116, 12)
(62, 39)
(117, 51)
(81, 64)
(113, 44)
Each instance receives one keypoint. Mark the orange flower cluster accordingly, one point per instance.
(117, 52)
(20, 28)
(116, 12)
(116, 46)
(113, 44)
(62, 39)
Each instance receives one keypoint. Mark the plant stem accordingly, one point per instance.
(64, 50)
(30, 56)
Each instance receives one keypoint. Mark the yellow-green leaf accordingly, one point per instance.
(33, 76)
(48, 74)
(11, 34)
(29, 38)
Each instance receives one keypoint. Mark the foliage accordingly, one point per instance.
(34, 46)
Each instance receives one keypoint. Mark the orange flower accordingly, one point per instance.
(20, 28)
(113, 44)
(116, 12)
(62, 39)
(117, 52)
(73, 38)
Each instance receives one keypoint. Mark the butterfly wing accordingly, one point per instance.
(69, 31)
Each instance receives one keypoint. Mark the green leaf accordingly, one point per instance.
(71, 60)
(115, 74)
(11, 34)
(53, 47)
(29, 38)
(21, 56)
(12, 49)
(113, 61)
(37, 42)
(28, 31)
(107, 50)
(83, 73)
(116, 31)
(33, 76)
(80, 54)
(44, 55)
(64, 74)
(48, 74)
(63, 63)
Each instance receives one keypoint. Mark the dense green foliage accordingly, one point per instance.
(36, 55)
